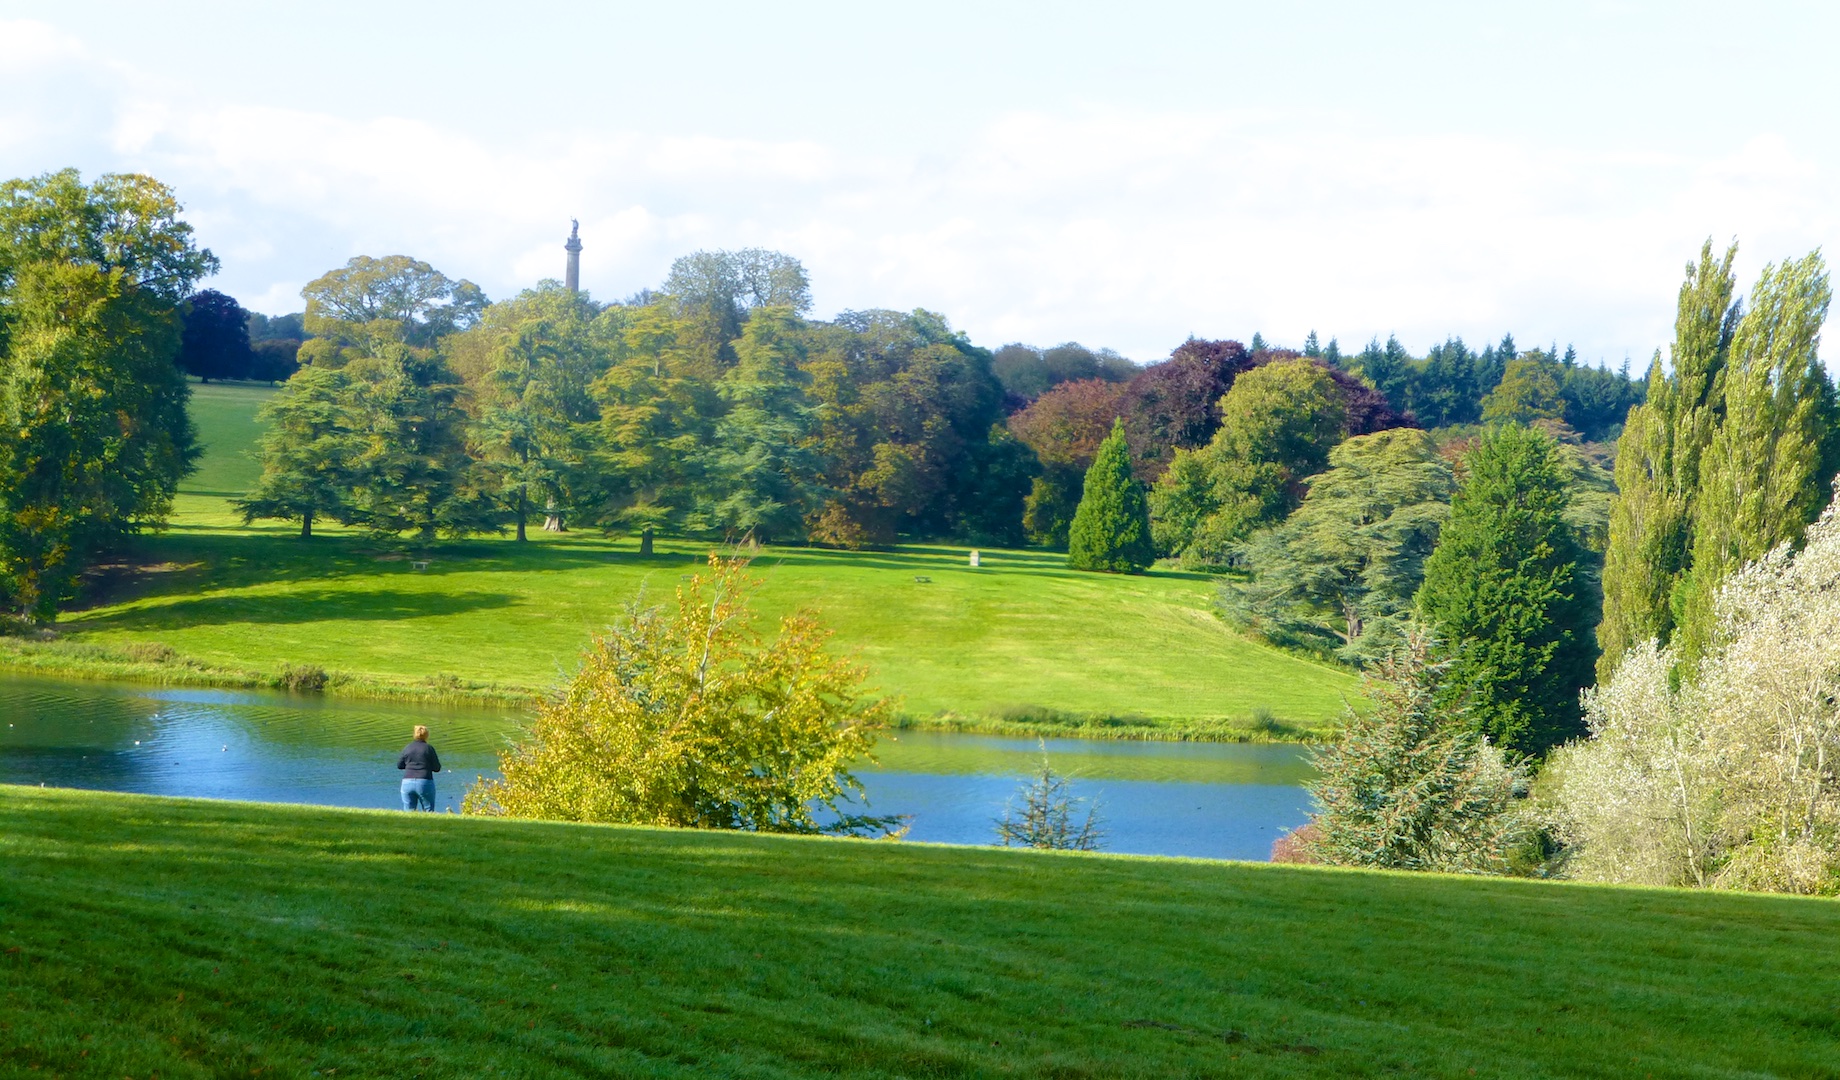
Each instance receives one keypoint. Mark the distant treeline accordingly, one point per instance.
(715, 406)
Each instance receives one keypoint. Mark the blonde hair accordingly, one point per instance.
(421, 732)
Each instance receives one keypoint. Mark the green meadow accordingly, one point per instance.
(1019, 643)
(143, 936)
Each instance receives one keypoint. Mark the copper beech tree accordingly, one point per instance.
(690, 717)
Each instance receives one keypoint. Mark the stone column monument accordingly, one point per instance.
(573, 278)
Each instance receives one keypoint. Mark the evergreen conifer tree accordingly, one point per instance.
(1111, 529)
(1658, 464)
(1505, 593)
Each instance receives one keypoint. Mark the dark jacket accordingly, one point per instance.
(419, 761)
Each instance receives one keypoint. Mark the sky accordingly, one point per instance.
(1120, 175)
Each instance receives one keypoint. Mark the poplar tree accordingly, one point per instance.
(1767, 469)
(1505, 593)
(1111, 529)
(1658, 464)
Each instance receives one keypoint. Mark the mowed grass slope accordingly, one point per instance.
(1021, 635)
(192, 939)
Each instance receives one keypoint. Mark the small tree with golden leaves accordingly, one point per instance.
(692, 718)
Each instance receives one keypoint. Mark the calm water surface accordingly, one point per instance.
(1202, 799)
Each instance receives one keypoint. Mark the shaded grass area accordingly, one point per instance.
(213, 939)
(225, 418)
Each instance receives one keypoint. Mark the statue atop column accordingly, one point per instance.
(573, 247)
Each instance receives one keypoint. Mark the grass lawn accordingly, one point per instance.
(147, 936)
(1021, 638)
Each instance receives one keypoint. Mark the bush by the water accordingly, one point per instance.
(1415, 785)
(1050, 815)
(691, 718)
(303, 678)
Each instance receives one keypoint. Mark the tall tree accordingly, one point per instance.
(1658, 464)
(94, 435)
(534, 405)
(1278, 424)
(215, 341)
(1529, 390)
(1347, 564)
(762, 476)
(368, 303)
(1503, 591)
(715, 291)
(1389, 369)
(658, 406)
(1111, 528)
(1175, 405)
(308, 449)
(905, 408)
(1767, 470)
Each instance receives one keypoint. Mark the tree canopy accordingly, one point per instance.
(1347, 564)
(95, 435)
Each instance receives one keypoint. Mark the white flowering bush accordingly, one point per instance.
(1724, 775)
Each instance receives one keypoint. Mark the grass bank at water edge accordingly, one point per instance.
(200, 939)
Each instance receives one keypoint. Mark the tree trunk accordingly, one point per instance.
(523, 512)
(306, 525)
(645, 541)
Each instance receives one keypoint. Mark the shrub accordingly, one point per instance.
(150, 652)
(692, 718)
(1726, 779)
(1296, 846)
(1050, 815)
(302, 678)
(1414, 785)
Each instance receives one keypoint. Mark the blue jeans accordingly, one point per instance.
(418, 794)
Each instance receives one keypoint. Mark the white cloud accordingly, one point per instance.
(1123, 228)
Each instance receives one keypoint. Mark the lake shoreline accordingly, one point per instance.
(63, 659)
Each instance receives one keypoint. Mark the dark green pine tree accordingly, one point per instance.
(1111, 529)
(1507, 598)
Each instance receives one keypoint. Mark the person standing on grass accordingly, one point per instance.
(419, 763)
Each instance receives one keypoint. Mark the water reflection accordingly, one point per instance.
(1199, 799)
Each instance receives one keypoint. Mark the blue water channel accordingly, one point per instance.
(1209, 800)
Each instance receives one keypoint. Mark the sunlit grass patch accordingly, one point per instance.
(195, 939)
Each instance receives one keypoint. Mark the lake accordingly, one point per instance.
(1209, 800)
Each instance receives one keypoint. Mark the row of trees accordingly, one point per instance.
(712, 407)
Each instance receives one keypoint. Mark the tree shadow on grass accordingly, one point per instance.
(304, 606)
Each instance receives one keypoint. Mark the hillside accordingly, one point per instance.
(1021, 637)
(193, 939)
